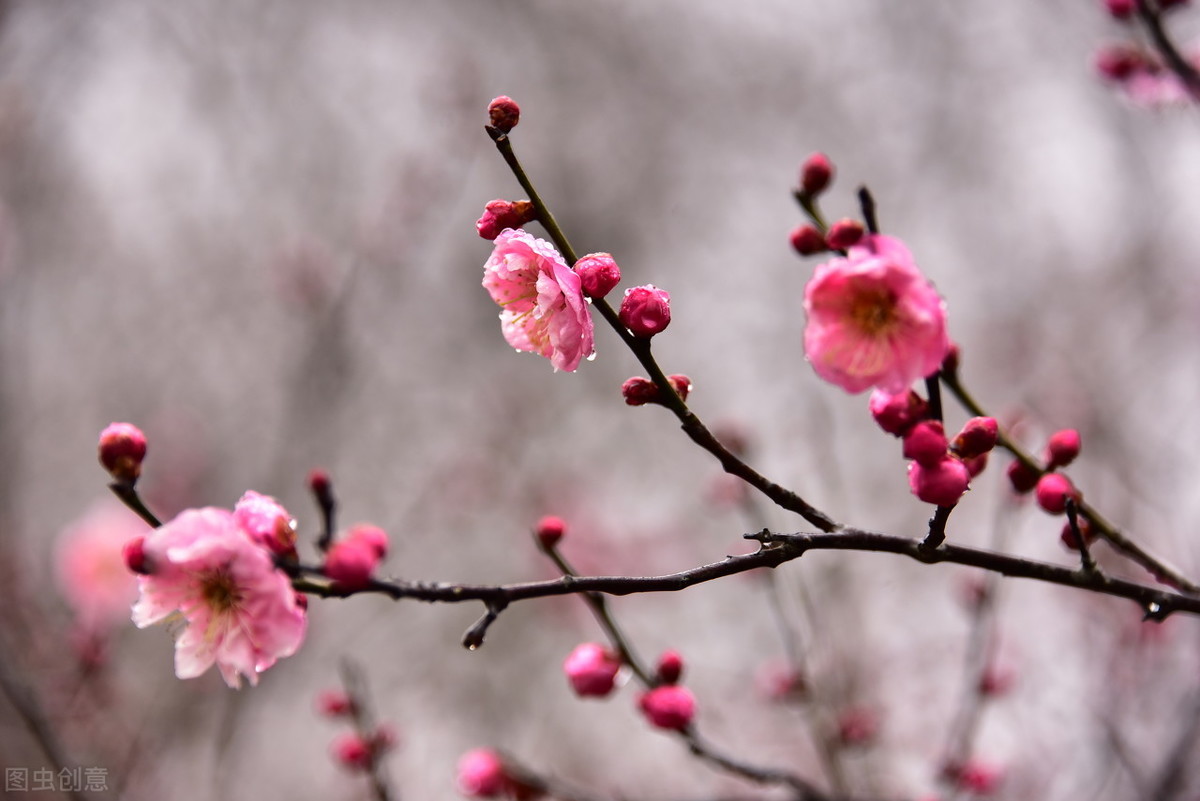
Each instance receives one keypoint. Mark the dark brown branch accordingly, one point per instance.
(780, 548)
(366, 728)
(1151, 18)
(691, 424)
(129, 496)
(1106, 530)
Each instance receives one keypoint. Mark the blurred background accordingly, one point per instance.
(248, 228)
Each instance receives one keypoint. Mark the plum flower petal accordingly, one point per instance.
(240, 609)
(873, 319)
(542, 302)
(91, 570)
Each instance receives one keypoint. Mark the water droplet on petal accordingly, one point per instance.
(592, 356)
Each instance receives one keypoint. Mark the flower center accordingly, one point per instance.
(873, 311)
(221, 591)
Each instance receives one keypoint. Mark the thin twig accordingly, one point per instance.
(1151, 18)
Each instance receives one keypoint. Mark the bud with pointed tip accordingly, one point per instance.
(844, 233)
(549, 531)
(122, 449)
(646, 310)
(598, 274)
(504, 113)
(816, 174)
(977, 437)
(807, 240)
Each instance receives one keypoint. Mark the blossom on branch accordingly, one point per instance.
(873, 319)
(241, 611)
(544, 310)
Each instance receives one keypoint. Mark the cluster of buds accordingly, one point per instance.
(354, 750)
(1141, 74)
(941, 469)
(639, 391)
(351, 561)
(1051, 489)
(807, 239)
(669, 705)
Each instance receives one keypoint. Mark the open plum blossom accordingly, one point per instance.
(544, 310)
(241, 611)
(873, 319)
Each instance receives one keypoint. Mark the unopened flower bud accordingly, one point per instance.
(977, 437)
(334, 704)
(321, 486)
(639, 391)
(844, 233)
(646, 310)
(134, 553)
(373, 537)
(122, 449)
(481, 774)
(857, 726)
(997, 680)
(504, 113)
(1118, 62)
(1121, 9)
(669, 707)
(950, 362)
(549, 531)
(351, 563)
(1085, 528)
(1053, 489)
(815, 174)
(681, 384)
(779, 681)
(926, 443)
(897, 413)
(974, 776)
(941, 484)
(501, 214)
(1062, 448)
(976, 464)
(592, 670)
(1022, 478)
(353, 752)
(807, 240)
(598, 274)
(670, 667)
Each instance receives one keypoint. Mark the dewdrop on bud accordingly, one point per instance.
(815, 174)
(844, 233)
(1053, 490)
(926, 443)
(977, 437)
(504, 113)
(646, 310)
(941, 484)
(592, 670)
(122, 449)
(669, 707)
(549, 531)
(670, 667)
(598, 274)
(807, 240)
(1062, 448)
(1022, 478)
(481, 774)
(897, 413)
(681, 384)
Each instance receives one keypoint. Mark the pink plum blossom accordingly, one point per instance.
(873, 319)
(90, 565)
(241, 611)
(544, 310)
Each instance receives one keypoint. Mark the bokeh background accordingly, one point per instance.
(248, 228)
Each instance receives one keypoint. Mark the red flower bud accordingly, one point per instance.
(670, 667)
(122, 449)
(926, 443)
(598, 274)
(1053, 489)
(815, 174)
(549, 531)
(844, 233)
(646, 310)
(504, 113)
(807, 240)
(977, 437)
(1062, 448)
(669, 707)
(1022, 478)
